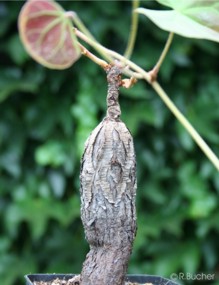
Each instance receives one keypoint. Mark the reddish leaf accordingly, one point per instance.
(46, 32)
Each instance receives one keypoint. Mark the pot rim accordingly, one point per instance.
(129, 277)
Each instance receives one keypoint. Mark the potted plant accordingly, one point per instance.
(108, 166)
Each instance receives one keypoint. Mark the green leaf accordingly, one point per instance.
(16, 50)
(84, 112)
(12, 80)
(185, 4)
(203, 206)
(51, 153)
(13, 266)
(177, 5)
(201, 201)
(185, 139)
(57, 182)
(204, 12)
(176, 22)
(190, 256)
(207, 16)
(37, 212)
(4, 18)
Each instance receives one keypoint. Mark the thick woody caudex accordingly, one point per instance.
(108, 189)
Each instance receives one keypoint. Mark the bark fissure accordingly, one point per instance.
(108, 188)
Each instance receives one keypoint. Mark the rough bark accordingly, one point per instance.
(108, 188)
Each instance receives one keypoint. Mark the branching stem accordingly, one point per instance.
(91, 56)
(147, 76)
(156, 68)
(78, 22)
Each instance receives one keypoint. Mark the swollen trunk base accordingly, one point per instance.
(108, 188)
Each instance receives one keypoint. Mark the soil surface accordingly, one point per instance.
(75, 281)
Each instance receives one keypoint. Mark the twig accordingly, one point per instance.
(133, 30)
(194, 134)
(156, 68)
(93, 57)
(78, 22)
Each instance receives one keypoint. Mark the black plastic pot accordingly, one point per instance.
(155, 280)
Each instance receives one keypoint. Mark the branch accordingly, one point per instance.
(133, 30)
(77, 21)
(91, 56)
(156, 68)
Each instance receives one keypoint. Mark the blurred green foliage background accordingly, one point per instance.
(45, 117)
